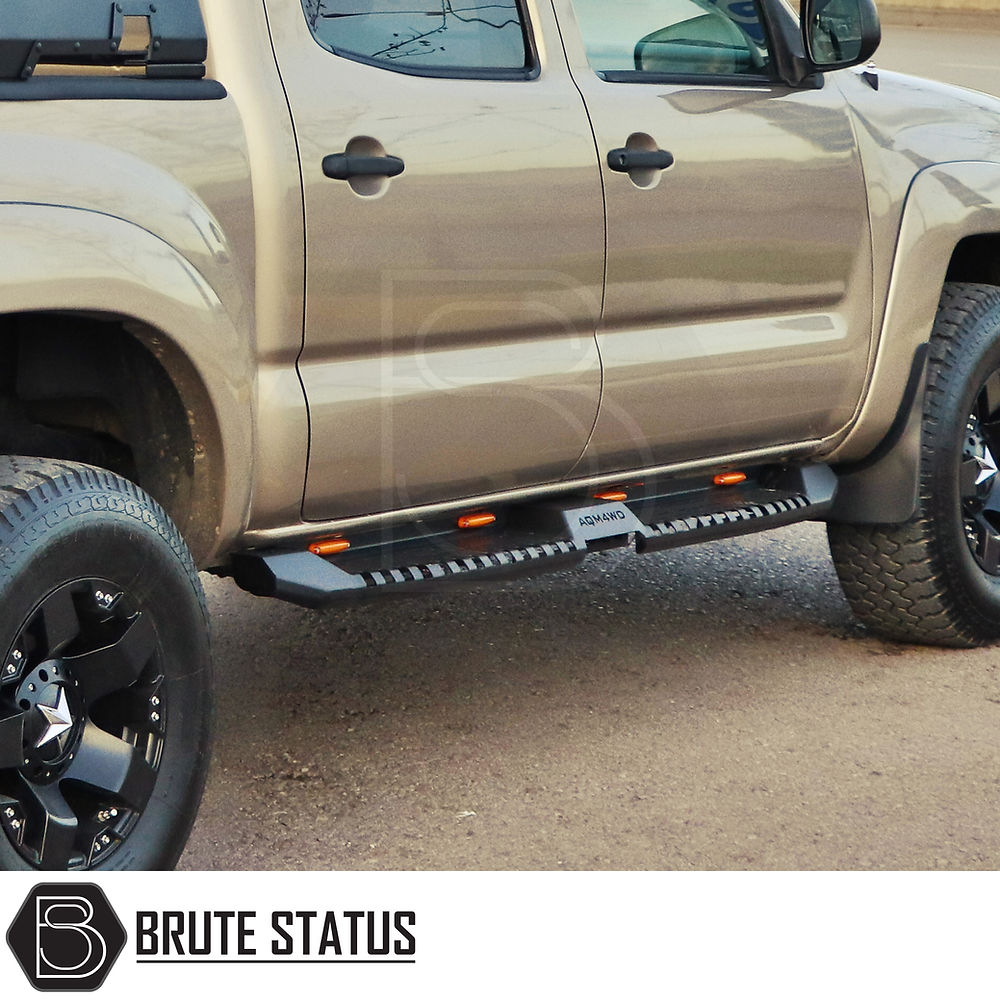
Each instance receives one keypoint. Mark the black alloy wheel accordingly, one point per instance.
(105, 693)
(979, 482)
(83, 718)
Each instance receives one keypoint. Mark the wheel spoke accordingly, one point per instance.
(987, 546)
(56, 845)
(991, 501)
(108, 764)
(968, 473)
(115, 667)
(990, 430)
(60, 619)
(11, 742)
(134, 706)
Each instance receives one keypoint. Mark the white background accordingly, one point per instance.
(537, 935)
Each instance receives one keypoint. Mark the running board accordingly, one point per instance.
(527, 539)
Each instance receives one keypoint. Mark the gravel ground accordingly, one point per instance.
(712, 708)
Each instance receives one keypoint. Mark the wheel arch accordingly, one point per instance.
(110, 335)
(976, 260)
(950, 231)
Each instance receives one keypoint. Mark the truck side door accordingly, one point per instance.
(454, 245)
(738, 307)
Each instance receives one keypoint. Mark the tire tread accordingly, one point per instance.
(31, 486)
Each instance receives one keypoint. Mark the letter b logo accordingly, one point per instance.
(66, 937)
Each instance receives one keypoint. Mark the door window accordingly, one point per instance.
(443, 38)
(631, 39)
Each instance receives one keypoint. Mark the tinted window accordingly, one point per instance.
(684, 37)
(415, 35)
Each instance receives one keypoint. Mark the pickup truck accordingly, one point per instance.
(347, 299)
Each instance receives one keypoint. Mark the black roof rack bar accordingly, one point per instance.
(167, 33)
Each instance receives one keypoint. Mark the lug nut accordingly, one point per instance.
(16, 824)
(154, 701)
(9, 813)
(155, 716)
(104, 600)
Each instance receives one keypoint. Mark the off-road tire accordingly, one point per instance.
(920, 581)
(105, 681)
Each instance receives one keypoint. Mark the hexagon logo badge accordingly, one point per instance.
(66, 937)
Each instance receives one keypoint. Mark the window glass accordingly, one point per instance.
(685, 37)
(421, 34)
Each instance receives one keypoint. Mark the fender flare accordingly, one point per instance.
(63, 259)
(879, 460)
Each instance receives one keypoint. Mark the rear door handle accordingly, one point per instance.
(624, 160)
(344, 166)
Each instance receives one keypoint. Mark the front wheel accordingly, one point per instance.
(936, 578)
(105, 688)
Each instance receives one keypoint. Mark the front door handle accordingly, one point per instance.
(344, 166)
(624, 160)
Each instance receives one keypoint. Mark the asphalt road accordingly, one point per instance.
(960, 50)
(715, 707)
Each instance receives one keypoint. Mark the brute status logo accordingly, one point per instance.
(377, 937)
(66, 937)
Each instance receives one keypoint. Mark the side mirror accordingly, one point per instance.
(839, 33)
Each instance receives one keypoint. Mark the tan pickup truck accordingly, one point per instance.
(347, 299)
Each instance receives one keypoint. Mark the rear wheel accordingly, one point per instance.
(105, 691)
(936, 578)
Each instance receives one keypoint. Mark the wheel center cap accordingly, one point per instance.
(987, 467)
(54, 708)
(53, 717)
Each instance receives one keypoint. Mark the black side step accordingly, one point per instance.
(740, 511)
(313, 581)
(540, 537)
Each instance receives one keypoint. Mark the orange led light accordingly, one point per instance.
(329, 546)
(476, 520)
(612, 495)
(730, 478)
